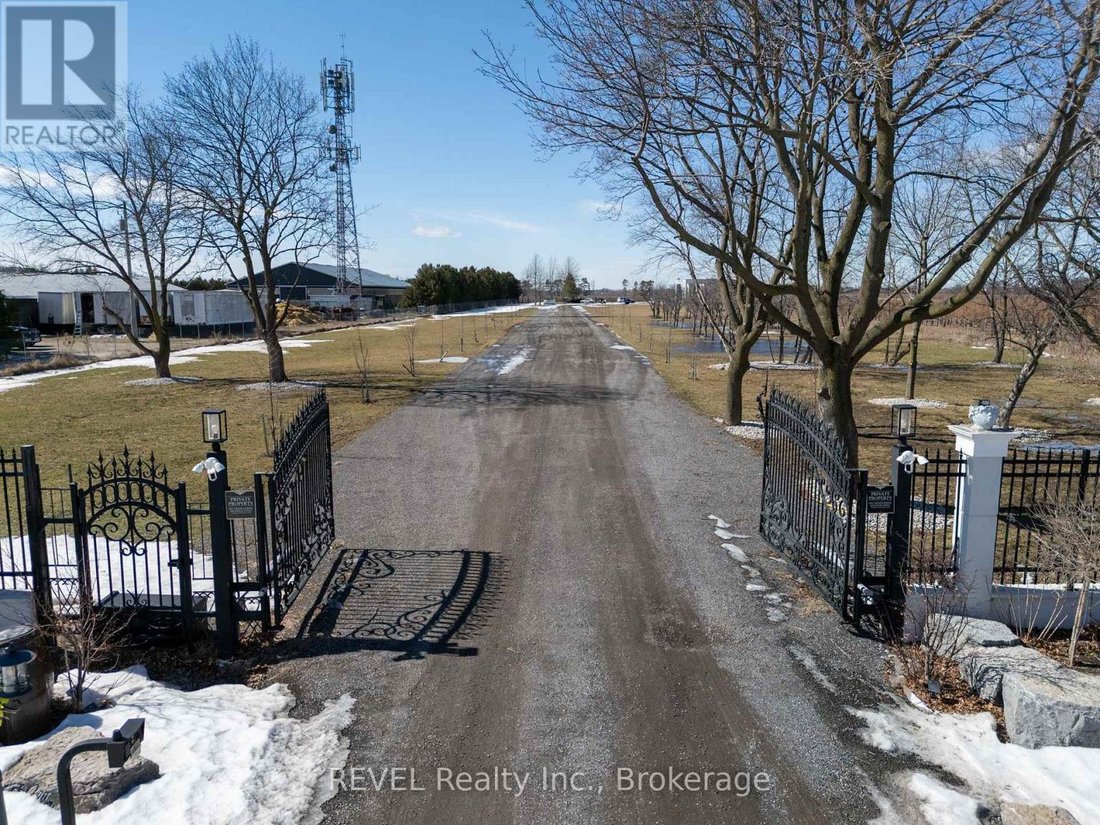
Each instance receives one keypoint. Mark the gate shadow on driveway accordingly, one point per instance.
(412, 602)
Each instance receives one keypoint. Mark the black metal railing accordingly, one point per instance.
(298, 494)
(1035, 480)
(933, 552)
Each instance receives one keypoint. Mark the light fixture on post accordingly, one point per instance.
(215, 427)
(903, 421)
(15, 677)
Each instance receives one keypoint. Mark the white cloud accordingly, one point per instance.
(600, 207)
(502, 222)
(426, 231)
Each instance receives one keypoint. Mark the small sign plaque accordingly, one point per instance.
(240, 504)
(880, 499)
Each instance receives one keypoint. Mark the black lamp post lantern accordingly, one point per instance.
(903, 420)
(215, 427)
(15, 665)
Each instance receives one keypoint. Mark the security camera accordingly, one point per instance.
(211, 466)
(909, 458)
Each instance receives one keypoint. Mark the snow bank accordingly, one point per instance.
(996, 772)
(110, 568)
(923, 403)
(227, 754)
(489, 311)
(623, 347)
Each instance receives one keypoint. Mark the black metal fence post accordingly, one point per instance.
(36, 535)
(264, 576)
(222, 561)
(897, 546)
(857, 545)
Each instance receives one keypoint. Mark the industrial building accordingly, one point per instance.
(318, 284)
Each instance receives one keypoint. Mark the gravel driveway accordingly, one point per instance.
(528, 587)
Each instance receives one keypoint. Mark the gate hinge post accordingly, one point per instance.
(897, 539)
(222, 563)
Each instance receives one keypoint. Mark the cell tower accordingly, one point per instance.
(338, 94)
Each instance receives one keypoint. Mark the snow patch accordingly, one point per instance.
(941, 804)
(227, 754)
(1092, 402)
(187, 356)
(736, 553)
(807, 661)
(521, 357)
(446, 359)
(488, 311)
(923, 403)
(756, 587)
(725, 535)
(967, 746)
(720, 523)
(623, 346)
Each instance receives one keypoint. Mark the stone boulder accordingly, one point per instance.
(94, 784)
(985, 668)
(1063, 709)
(967, 632)
(1016, 814)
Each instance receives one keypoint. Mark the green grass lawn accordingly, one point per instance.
(72, 418)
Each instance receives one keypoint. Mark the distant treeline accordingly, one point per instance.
(446, 284)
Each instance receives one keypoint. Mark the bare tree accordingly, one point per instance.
(995, 293)
(115, 211)
(664, 93)
(535, 276)
(1072, 543)
(252, 150)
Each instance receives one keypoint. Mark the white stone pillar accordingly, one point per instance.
(976, 502)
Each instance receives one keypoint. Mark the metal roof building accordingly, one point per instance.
(306, 282)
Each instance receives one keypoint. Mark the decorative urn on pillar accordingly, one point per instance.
(984, 414)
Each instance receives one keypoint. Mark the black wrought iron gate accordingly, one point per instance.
(132, 546)
(299, 511)
(813, 505)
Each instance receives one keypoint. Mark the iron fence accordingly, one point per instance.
(933, 550)
(1034, 481)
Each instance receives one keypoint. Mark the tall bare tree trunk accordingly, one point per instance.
(834, 400)
(276, 368)
(911, 372)
(162, 357)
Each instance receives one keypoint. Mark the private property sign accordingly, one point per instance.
(240, 504)
(880, 499)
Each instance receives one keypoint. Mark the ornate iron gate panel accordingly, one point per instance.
(299, 503)
(132, 546)
(812, 503)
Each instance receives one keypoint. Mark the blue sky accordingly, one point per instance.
(444, 149)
